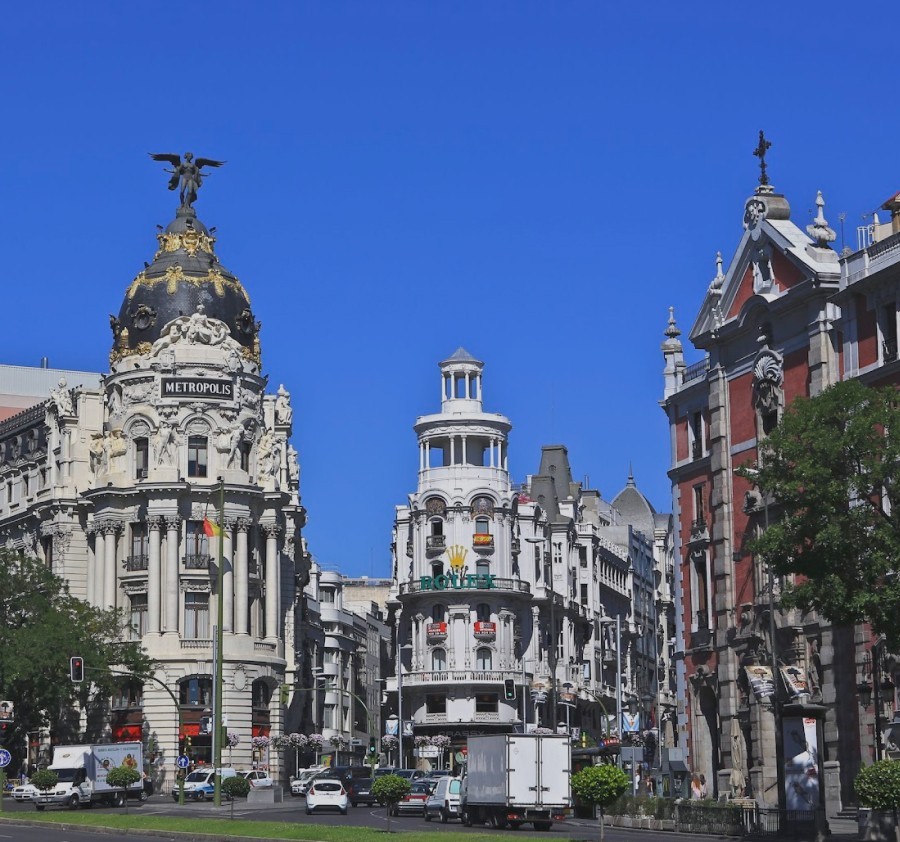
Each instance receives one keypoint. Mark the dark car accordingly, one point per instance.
(345, 774)
(359, 791)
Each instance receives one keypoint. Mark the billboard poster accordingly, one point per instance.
(762, 682)
(801, 762)
(631, 723)
(796, 680)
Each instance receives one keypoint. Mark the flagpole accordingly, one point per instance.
(217, 717)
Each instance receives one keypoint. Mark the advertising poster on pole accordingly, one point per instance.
(801, 763)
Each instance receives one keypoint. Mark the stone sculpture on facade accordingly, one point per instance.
(164, 444)
(283, 411)
(98, 448)
(293, 463)
(61, 399)
(196, 329)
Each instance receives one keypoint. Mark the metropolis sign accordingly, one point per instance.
(197, 387)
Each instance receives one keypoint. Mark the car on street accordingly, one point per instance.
(301, 783)
(257, 778)
(199, 785)
(414, 800)
(359, 791)
(24, 792)
(326, 794)
(409, 774)
(443, 803)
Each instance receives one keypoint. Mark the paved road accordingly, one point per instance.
(293, 810)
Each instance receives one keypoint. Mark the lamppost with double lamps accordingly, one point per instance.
(606, 621)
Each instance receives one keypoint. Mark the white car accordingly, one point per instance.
(257, 778)
(326, 793)
(300, 784)
(24, 792)
(443, 802)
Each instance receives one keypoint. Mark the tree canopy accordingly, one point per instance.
(831, 470)
(41, 627)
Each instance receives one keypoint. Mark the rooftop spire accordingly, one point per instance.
(672, 331)
(760, 152)
(716, 285)
(819, 230)
(186, 173)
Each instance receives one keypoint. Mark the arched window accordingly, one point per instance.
(439, 613)
(261, 693)
(482, 526)
(195, 690)
(438, 660)
(483, 612)
(484, 659)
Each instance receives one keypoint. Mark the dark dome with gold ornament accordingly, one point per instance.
(185, 274)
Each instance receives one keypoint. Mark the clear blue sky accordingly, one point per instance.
(537, 182)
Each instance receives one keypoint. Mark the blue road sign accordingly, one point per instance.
(5, 758)
(183, 761)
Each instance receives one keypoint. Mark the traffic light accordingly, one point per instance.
(76, 669)
(373, 748)
(509, 690)
(5, 731)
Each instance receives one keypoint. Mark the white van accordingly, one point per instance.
(200, 784)
(444, 800)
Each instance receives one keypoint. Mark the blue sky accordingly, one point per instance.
(536, 182)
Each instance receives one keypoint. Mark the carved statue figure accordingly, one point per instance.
(293, 464)
(117, 447)
(265, 455)
(61, 398)
(186, 173)
(164, 444)
(196, 329)
(284, 413)
(99, 457)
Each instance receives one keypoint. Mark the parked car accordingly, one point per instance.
(414, 800)
(301, 783)
(326, 793)
(444, 800)
(200, 784)
(24, 792)
(359, 791)
(345, 774)
(258, 778)
(409, 774)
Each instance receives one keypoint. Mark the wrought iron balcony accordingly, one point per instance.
(136, 562)
(482, 541)
(435, 543)
(485, 629)
(197, 562)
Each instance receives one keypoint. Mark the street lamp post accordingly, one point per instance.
(604, 621)
(544, 542)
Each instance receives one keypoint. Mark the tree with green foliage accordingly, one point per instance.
(388, 790)
(600, 786)
(878, 785)
(43, 626)
(831, 471)
(44, 780)
(236, 786)
(122, 777)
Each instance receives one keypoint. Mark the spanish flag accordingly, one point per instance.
(213, 530)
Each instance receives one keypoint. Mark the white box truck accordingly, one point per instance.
(82, 774)
(511, 779)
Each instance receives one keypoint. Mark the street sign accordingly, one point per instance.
(5, 758)
(183, 761)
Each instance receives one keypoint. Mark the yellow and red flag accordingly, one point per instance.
(213, 530)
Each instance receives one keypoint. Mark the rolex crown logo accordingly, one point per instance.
(457, 556)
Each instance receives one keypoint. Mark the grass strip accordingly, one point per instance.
(216, 827)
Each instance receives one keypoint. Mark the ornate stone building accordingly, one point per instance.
(111, 487)
(504, 595)
(786, 318)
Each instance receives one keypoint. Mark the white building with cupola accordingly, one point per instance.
(110, 486)
(505, 595)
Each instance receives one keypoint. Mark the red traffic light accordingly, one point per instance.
(76, 669)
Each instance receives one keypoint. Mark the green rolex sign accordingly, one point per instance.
(470, 581)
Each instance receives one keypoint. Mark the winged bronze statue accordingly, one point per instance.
(186, 172)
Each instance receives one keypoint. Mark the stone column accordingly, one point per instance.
(110, 530)
(154, 576)
(273, 581)
(95, 567)
(241, 579)
(173, 527)
(228, 576)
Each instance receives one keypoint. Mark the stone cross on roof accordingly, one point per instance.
(760, 152)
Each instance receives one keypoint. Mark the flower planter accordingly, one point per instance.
(876, 825)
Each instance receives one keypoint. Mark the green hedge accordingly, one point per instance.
(878, 785)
